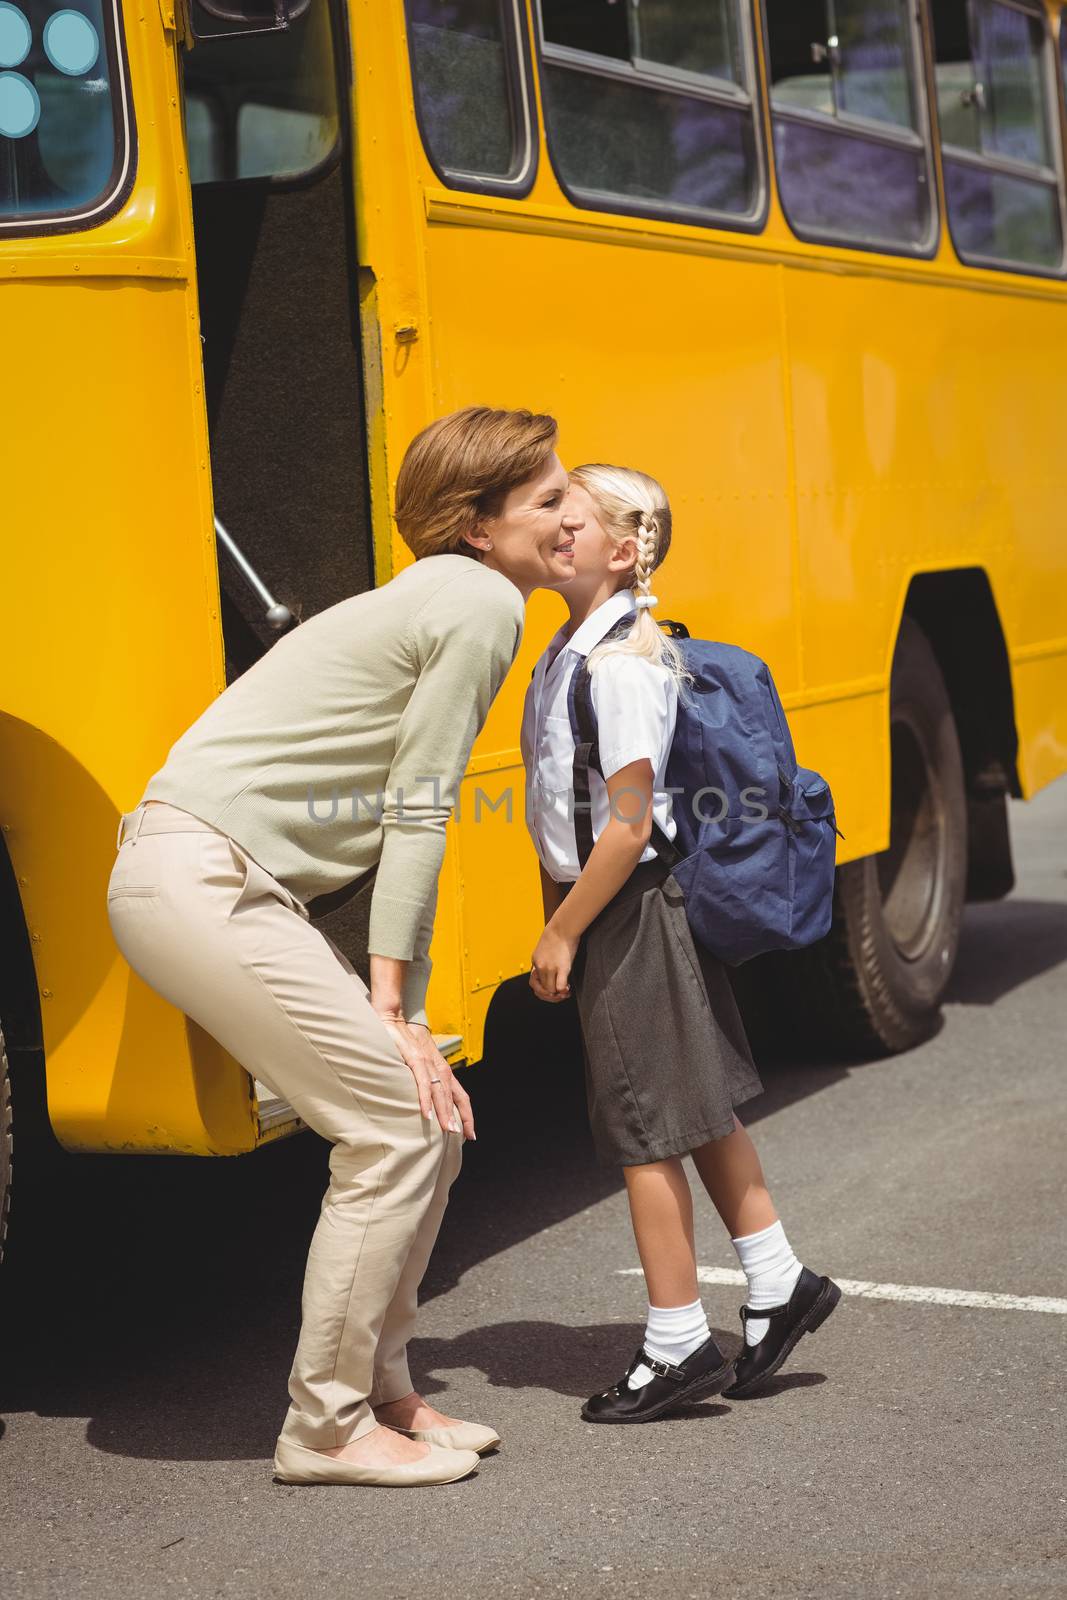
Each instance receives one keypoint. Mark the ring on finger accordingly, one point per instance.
(435, 1080)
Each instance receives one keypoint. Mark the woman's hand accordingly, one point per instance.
(438, 1088)
(551, 965)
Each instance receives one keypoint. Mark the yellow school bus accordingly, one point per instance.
(803, 260)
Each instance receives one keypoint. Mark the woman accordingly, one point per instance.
(339, 753)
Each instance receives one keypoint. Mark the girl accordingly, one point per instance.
(666, 1055)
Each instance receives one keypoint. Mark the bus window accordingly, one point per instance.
(853, 163)
(262, 105)
(695, 37)
(993, 71)
(65, 131)
(650, 108)
(472, 91)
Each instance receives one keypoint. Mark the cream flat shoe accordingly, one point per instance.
(460, 1436)
(295, 1463)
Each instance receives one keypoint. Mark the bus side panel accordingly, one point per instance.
(113, 563)
(678, 374)
(927, 437)
(1040, 690)
(114, 644)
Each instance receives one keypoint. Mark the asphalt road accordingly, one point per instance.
(911, 1448)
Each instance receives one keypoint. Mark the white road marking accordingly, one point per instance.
(916, 1293)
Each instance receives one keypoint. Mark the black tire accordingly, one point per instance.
(5, 1145)
(874, 985)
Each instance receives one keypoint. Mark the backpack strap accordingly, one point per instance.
(587, 754)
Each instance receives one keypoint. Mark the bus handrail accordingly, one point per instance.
(278, 616)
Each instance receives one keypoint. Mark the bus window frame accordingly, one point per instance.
(341, 42)
(671, 80)
(874, 132)
(120, 187)
(522, 110)
(1051, 177)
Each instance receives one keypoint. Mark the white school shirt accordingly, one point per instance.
(636, 702)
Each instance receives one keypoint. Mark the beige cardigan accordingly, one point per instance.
(344, 745)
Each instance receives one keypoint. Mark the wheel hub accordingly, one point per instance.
(911, 871)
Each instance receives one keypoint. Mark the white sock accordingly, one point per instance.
(671, 1334)
(772, 1271)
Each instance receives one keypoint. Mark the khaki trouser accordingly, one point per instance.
(214, 933)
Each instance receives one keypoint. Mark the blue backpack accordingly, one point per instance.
(755, 848)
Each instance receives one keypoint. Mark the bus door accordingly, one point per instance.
(270, 168)
(271, 172)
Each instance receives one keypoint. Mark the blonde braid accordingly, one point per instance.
(647, 542)
(632, 506)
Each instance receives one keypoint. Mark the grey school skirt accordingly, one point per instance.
(666, 1054)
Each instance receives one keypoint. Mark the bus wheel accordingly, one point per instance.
(5, 1145)
(875, 983)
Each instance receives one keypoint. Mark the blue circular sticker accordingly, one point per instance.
(16, 35)
(20, 106)
(71, 42)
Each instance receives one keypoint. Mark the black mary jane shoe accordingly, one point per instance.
(808, 1307)
(700, 1374)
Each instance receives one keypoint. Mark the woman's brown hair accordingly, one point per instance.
(460, 470)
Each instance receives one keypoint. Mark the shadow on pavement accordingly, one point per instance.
(576, 1362)
(533, 1163)
(1003, 946)
(787, 1380)
(160, 1297)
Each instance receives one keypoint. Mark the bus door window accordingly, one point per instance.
(850, 136)
(65, 125)
(995, 97)
(650, 107)
(472, 91)
(274, 231)
(263, 105)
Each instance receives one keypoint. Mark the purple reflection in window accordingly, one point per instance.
(841, 184)
(623, 139)
(1002, 218)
